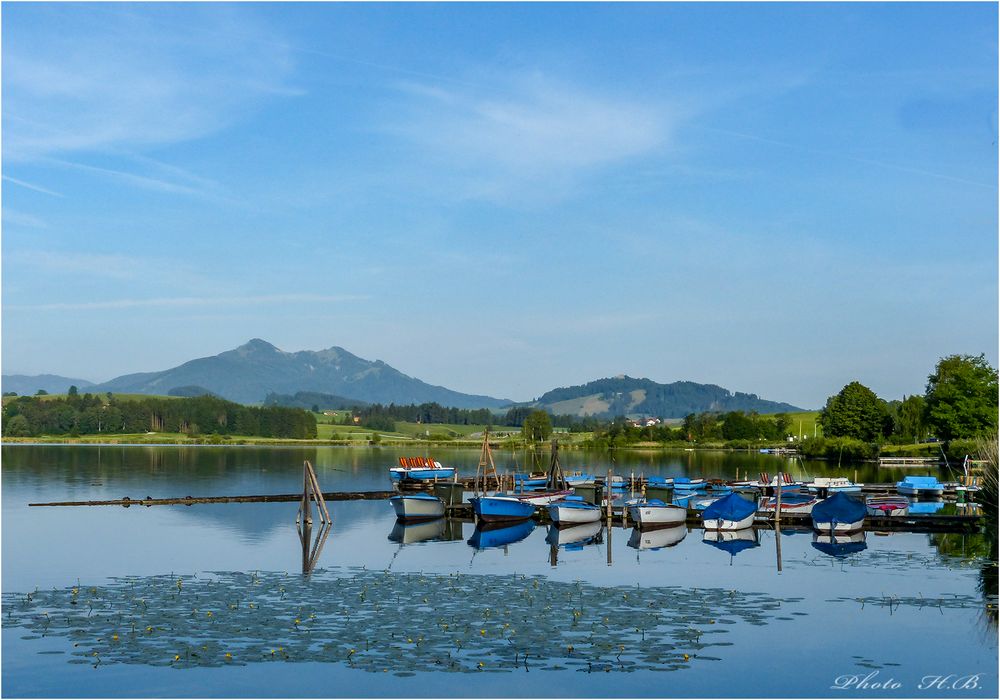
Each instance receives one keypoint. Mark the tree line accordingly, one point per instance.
(90, 414)
(382, 417)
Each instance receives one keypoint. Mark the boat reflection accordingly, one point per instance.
(500, 534)
(404, 533)
(657, 539)
(925, 506)
(732, 541)
(840, 545)
(575, 537)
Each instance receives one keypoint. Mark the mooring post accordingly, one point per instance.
(305, 508)
(607, 498)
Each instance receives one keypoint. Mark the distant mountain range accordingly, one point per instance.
(24, 385)
(258, 371)
(252, 371)
(627, 396)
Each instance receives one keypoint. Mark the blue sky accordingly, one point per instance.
(503, 199)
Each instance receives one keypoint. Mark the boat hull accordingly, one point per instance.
(420, 474)
(541, 498)
(563, 514)
(421, 507)
(496, 509)
(721, 524)
(921, 492)
(645, 515)
(888, 507)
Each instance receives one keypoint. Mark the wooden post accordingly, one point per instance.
(609, 536)
(305, 509)
(607, 497)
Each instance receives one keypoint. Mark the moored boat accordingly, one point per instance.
(833, 484)
(580, 479)
(887, 506)
(791, 502)
(417, 506)
(541, 498)
(420, 469)
(839, 513)
(923, 486)
(501, 508)
(573, 510)
(732, 512)
(656, 513)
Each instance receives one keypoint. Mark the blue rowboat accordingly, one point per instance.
(925, 486)
(490, 535)
(529, 481)
(839, 513)
(501, 508)
(683, 483)
(840, 546)
(580, 479)
(732, 512)
(683, 500)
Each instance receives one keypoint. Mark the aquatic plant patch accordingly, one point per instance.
(388, 622)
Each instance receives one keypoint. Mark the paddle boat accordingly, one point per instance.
(792, 501)
(655, 513)
(657, 539)
(489, 535)
(420, 469)
(841, 544)
(922, 486)
(417, 506)
(573, 510)
(574, 537)
(833, 484)
(732, 512)
(404, 533)
(839, 513)
(887, 506)
(926, 507)
(501, 508)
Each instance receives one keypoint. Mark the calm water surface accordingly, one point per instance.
(613, 614)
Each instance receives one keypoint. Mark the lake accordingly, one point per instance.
(211, 601)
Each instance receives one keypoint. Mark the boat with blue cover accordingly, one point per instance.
(501, 508)
(839, 513)
(573, 510)
(417, 506)
(420, 469)
(731, 512)
(683, 483)
(732, 541)
(489, 535)
(924, 486)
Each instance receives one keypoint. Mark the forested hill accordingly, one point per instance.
(249, 373)
(628, 396)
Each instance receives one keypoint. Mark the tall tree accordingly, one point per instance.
(962, 397)
(856, 412)
(537, 426)
(910, 418)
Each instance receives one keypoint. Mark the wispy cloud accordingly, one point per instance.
(30, 186)
(86, 82)
(178, 302)
(12, 217)
(533, 130)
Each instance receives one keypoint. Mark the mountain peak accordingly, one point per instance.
(256, 344)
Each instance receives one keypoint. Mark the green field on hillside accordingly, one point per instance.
(804, 423)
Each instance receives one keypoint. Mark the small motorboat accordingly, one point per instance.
(657, 539)
(655, 513)
(920, 486)
(420, 469)
(572, 510)
(417, 506)
(501, 508)
(839, 513)
(887, 506)
(732, 512)
(489, 535)
(404, 533)
(574, 537)
(833, 484)
(840, 545)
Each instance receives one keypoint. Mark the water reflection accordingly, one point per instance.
(312, 548)
(840, 545)
(489, 535)
(732, 541)
(657, 539)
